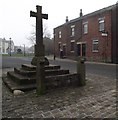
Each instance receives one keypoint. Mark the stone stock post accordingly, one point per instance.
(40, 77)
(81, 71)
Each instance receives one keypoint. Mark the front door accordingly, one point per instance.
(78, 49)
(64, 50)
(81, 49)
(84, 49)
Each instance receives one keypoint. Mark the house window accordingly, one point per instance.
(85, 28)
(59, 34)
(72, 45)
(72, 30)
(95, 46)
(101, 25)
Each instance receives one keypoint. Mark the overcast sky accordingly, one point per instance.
(16, 23)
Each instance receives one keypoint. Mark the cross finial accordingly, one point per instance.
(39, 29)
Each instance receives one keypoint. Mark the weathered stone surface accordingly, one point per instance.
(30, 67)
(35, 59)
(14, 86)
(24, 83)
(20, 79)
(81, 71)
(40, 77)
(39, 47)
(27, 73)
(18, 92)
(24, 78)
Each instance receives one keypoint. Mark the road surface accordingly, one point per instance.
(106, 70)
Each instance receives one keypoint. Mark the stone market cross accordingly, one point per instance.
(39, 47)
(39, 59)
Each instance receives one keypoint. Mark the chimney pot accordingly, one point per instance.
(66, 18)
(81, 14)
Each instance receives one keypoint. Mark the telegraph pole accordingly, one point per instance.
(24, 49)
(54, 46)
(10, 46)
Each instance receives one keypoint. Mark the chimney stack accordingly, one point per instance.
(66, 18)
(81, 14)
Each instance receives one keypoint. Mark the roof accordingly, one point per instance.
(90, 14)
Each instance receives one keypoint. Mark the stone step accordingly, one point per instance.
(52, 67)
(50, 72)
(25, 72)
(50, 81)
(20, 79)
(15, 86)
(27, 77)
(30, 67)
(71, 79)
(55, 72)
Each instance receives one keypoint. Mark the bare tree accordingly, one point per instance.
(46, 32)
(48, 42)
(32, 37)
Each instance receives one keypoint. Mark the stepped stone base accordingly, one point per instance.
(51, 82)
(24, 78)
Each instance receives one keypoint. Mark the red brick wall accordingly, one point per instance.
(93, 33)
(66, 37)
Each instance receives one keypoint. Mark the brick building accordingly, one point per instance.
(91, 36)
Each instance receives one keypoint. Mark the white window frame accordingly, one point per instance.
(59, 34)
(85, 27)
(73, 30)
(101, 25)
(95, 42)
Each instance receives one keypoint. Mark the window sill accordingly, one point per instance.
(72, 36)
(85, 33)
(95, 51)
(101, 30)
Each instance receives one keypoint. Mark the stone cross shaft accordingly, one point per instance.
(39, 48)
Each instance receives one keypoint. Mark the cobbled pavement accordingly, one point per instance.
(95, 100)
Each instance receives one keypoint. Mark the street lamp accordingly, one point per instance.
(54, 45)
(24, 49)
(10, 46)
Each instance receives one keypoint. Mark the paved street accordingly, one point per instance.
(10, 62)
(108, 70)
(95, 100)
(103, 69)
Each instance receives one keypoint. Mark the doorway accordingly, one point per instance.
(81, 49)
(64, 50)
